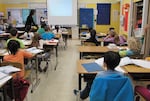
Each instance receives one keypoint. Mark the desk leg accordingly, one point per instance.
(79, 81)
(80, 55)
(37, 80)
(56, 56)
(56, 51)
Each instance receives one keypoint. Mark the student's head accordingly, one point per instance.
(32, 12)
(134, 44)
(43, 25)
(111, 29)
(35, 40)
(90, 29)
(13, 32)
(112, 33)
(93, 33)
(47, 28)
(57, 28)
(13, 46)
(111, 59)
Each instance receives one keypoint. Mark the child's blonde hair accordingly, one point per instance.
(134, 44)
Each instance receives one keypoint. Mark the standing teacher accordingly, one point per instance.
(30, 22)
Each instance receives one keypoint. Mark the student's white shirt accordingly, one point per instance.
(29, 35)
(55, 31)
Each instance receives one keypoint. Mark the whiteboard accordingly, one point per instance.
(62, 12)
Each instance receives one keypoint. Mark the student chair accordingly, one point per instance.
(142, 93)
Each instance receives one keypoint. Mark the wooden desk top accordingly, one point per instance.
(135, 69)
(80, 68)
(128, 68)
(96, 49)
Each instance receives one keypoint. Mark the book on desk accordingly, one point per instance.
(92, 67)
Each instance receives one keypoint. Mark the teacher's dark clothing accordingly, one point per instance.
(30, 21)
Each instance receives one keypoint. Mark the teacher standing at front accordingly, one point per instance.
(30, 22)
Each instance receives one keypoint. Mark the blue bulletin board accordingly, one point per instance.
(86, 16)
(103, 16)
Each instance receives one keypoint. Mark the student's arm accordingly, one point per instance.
(27, 54)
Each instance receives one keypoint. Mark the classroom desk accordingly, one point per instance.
(2, 85)
(99, 50)
(81, 71)
(65, 35)
(135, 72)
(50, 45)
(4, 52)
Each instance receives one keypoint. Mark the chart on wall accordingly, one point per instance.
(86, 17)
(103, 16)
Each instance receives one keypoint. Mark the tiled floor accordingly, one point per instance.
(58, 85)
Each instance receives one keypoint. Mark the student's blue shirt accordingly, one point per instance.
(47, 36)
(111, 86)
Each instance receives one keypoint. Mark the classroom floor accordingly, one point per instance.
(58, 85)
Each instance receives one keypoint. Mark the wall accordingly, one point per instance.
(115, 18)
(4, 7)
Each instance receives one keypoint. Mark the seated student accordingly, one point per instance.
(110, 37)
(41, 30)
(14, 35)
(93, 37)
(47, 35)
(28, 34)
(134, 46)
(57, 30)
(36, 42)
(110, 29)
(111, 60)
(110, 85)
(120, 40)
(17, 55)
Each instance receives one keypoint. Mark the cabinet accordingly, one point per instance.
(138, 13)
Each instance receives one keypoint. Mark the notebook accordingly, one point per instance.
(92, 67)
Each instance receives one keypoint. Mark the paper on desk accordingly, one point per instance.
(3, 75)
(142, 63)
(9, 69)
(53, 40)
(4, 80)
(100, 61)
(119, 69)
(125, 61)
(34, 50)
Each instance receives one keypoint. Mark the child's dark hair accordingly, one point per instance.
(32, 12)
(93, 33)
(13, 31)
(46, 28)
(112, 59)
(13, 46)
(111, 28)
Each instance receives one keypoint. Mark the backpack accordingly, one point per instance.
(20, 89)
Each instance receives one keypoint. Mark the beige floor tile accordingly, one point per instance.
(58, 85)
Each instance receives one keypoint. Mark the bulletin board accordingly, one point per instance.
(104, 11)
(86, 16)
